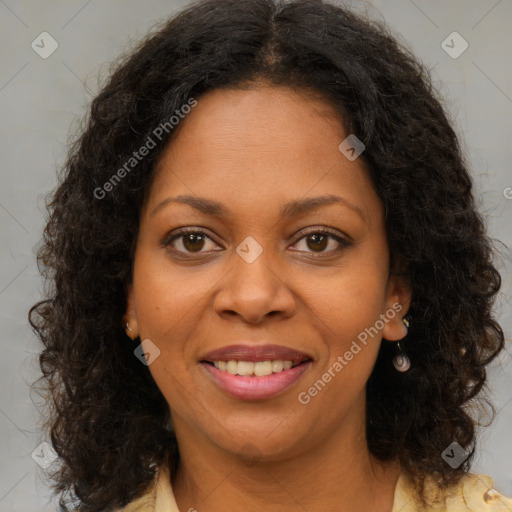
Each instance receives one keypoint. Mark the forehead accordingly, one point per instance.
(262, 144)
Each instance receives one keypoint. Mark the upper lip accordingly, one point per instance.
(256, 353)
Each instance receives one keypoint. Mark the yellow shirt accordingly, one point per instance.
(474, 493)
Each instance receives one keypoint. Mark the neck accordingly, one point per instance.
(337, 473)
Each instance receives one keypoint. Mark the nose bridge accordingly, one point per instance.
(253, 265)
(253, 288)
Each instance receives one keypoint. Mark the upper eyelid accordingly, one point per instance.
(335, 233)
(185, 231)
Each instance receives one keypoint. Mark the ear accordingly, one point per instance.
(130, 315)
(398, 300)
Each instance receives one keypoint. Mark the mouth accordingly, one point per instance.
(255, 372)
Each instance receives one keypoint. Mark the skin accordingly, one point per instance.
(252, 150)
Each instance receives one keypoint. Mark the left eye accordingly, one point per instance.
(318, 241)
(190, 241)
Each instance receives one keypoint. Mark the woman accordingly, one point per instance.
(272, 289)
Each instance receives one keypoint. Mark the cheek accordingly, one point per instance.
(168, 297)
(170, 304)
(350, 351)
(350, 304)
(352, 297)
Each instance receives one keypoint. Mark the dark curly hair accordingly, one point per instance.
(108, 421)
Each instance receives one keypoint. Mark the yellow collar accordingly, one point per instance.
(474, 493)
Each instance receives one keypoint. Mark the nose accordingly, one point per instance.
(254, 291)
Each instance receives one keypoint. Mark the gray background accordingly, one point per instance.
(41, 100)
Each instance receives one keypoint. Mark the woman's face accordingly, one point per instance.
(258, 172)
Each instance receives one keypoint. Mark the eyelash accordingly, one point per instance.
(344, 242)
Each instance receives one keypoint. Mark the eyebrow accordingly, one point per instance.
(290, 209)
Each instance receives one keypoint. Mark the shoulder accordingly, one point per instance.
(473, 493)
(477, 493)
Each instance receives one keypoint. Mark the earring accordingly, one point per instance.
(128, 328)
(401, 362)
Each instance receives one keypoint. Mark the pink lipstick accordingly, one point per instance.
(255, 372)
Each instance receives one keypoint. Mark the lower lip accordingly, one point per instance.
(256, 388)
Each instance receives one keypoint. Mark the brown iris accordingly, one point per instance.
(193, 242)
(319, 241)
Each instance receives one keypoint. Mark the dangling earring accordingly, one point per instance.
(401, 362)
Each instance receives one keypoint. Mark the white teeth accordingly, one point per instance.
(259, 369)
(277, 366)
(263, 368)
(232, 367)
(245, 367)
